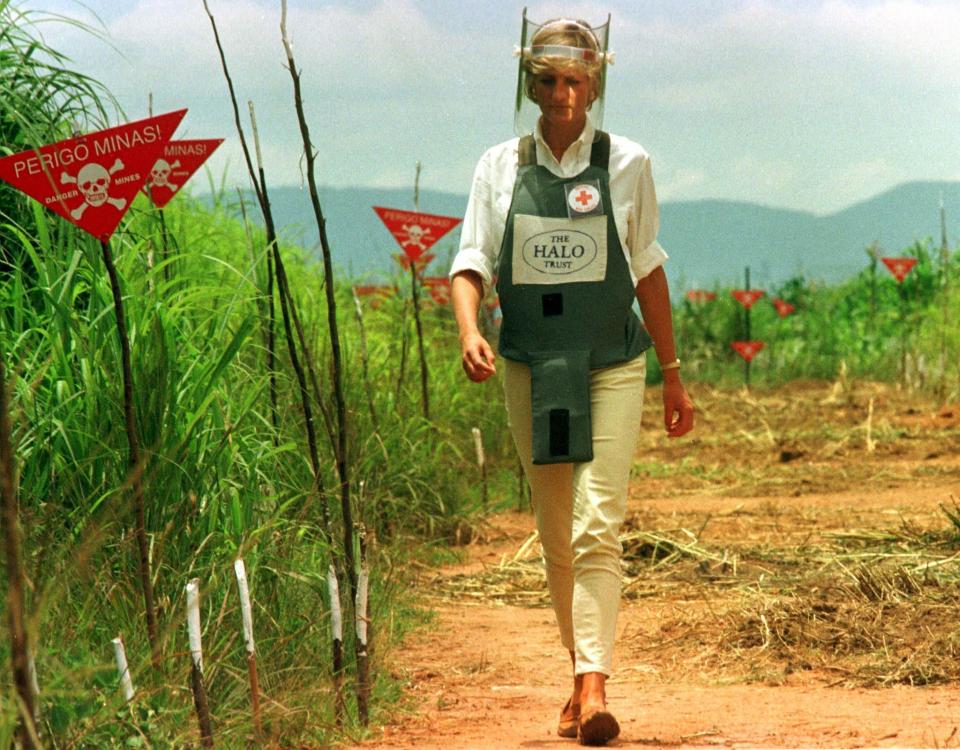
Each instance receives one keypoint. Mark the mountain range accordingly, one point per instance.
(709, 241)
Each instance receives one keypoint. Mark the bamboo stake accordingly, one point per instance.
(945, 282)
(404, 347)
(16, 580)
(286, 302)
(336, 629)
(365, 360)
(871, 445)
(196, 668)
(246, 614)
(415, 295)
(164, 241)
(123, 669)
(746, 362)
(343, 465)
(134, 461)
(290, 315)
(363, 669)
(481, 463)
(268, 313)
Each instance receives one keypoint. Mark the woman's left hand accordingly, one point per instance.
(677, 408)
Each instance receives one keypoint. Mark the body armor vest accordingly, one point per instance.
(566, 296)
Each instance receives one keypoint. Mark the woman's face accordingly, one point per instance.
(563, 95)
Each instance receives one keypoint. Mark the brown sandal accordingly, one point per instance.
(569, 727)
(597, 727)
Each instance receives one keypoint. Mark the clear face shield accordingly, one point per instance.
(559, 43)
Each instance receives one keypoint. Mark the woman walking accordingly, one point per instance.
(564, 221)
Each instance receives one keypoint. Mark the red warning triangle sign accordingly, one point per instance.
(701, 296)
(784, 308)
(415, 232)
(91, 180)
(899, 267)
(747, 297)
(747, 349)
(439, 287)
(179, 161)
(420, 264)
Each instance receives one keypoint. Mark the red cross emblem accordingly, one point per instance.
(583, 198)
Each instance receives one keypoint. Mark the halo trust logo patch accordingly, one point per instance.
(583, 199)
(559, 252)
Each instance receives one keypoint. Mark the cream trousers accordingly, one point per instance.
(579, 507)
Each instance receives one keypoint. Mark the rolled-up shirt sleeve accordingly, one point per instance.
(477, 251)
(646, 254)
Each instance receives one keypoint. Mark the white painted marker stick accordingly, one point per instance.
(123, 669)
(363, 583)
(482, 463)
(196, 672)
(336, 628)
(246, 612)
(363, 670)
(336, 614)
(478, 444)
(193, 622)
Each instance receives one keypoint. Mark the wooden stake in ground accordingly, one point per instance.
(415, 296)
(363, 667)
(336, 629)
(365, 360)
(747, 337)
(134, 462)
(123, 669)
(343, 463)
(481, 463)
(287, 306)
(196, 668)
(246, 614)
(16, 580)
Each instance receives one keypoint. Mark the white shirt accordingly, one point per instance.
(632, 193)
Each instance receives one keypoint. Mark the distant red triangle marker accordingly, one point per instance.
(91, 180)
(179, 161)
(415, 232)
(419, 264)
(747, 349)
(700, 296)
(784, 308)
(439, 287)
(899, 267)
(747, 297)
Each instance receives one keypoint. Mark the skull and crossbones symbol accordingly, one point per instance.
(415, 236)
(160, 174)
(93, 180)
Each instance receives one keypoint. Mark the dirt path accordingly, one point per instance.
(489, 671)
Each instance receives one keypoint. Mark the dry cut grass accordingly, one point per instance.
(798, 586)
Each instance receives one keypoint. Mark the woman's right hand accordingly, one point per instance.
(477, 357)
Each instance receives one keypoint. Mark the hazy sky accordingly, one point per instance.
(806, 104)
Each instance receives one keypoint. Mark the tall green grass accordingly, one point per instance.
(862, 325)
(218, 479)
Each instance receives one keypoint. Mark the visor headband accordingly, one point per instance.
(561, 50)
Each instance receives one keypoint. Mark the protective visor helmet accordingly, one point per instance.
(558, 43)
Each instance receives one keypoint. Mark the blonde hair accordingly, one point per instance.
(568, 34)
